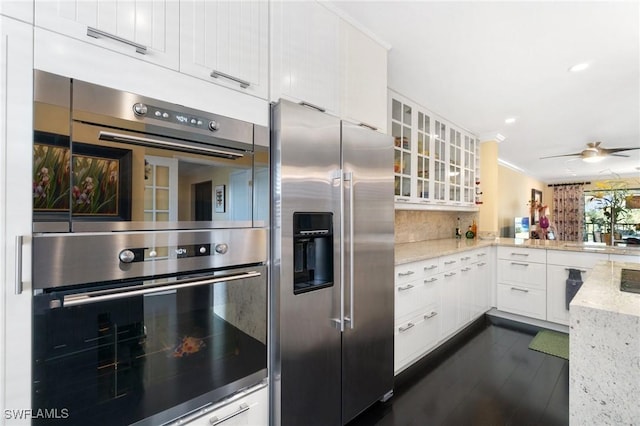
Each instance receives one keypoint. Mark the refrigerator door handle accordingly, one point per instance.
(341, 176)
(348, 177)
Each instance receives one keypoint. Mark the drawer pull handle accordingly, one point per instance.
(405, 274)
(519, 264)
(368, 126)
(519, 254)
(241, 409)
(450, 275)
(482, 263)
(467, 269)
(432, 280)
(407, 287)
(95, 33)
(465, 258)
(481, 254)
(404, 200)
(520, 289)
(581, 270)
(431, 315)
(428, 268)
(449, 262)
(407, 327)
(18, 282)
(243, 83)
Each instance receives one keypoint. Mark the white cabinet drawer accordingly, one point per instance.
(247, 408)
(522, 254)
(522, 273)
(415, 296)
(408, 272)
(415, 337)
(448, 263)
(574, 259)
(522, 301)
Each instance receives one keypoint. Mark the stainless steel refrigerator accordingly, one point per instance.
(332, 259)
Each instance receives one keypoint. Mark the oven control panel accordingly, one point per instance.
(131, 255)
(144, 110)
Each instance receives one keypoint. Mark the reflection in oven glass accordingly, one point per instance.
(121, 361)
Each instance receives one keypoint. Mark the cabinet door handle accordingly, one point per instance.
(519, 264)
(519, 254)
(241, 409)
(405, 274)
(96, 33)
(450, 262)
(520, 289)
(18, 265)
(307, 104)
(432, 280)
(465, 269)
(482, 263)
(465, 258)
(450, 275)
(407, 287)
(368, 126)
(243, 83)
(404, 200)
(431, 315)
(405, 328)
(428, 268)
(481, 254)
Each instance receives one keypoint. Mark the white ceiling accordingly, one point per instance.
(477, 63)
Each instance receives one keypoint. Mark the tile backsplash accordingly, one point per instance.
(419, 225)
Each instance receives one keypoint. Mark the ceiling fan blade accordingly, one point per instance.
(614, 150)
(564, 155)
(619, 155)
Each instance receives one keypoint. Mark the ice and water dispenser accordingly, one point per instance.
(312, 251)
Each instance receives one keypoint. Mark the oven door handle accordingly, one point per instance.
(105, 295)
(159, 143)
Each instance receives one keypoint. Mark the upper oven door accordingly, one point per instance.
(123, 180)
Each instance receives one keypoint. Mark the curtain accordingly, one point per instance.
(568, 212)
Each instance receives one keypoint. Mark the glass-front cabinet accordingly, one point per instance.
(435, 161)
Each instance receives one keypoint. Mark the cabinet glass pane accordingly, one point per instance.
(396, 110)
(397, 185)
(406, 138)
(406, 163)
(162, 176)
(397, 163)
(406, 187)
(396, 132)
(406, 109)
(420, 143)
(162, 199)
(420, 121)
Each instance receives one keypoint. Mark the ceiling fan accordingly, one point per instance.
(593, 153)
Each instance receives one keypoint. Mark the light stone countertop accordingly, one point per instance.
(604, 367)
(423, 250)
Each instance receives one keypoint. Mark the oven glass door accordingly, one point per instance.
(112, 179)
(149, 354)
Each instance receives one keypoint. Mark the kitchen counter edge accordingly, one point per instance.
(423, 250)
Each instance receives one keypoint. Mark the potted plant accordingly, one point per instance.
(611, 199)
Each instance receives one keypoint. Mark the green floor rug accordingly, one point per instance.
(552, 343)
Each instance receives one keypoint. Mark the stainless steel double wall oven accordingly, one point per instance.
(150, 251)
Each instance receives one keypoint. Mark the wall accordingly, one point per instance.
(420, 225)
(514, 194)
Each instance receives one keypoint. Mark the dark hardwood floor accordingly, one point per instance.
(492, 378)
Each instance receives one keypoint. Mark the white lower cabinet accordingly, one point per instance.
(558, 265)
(435, 299)
(247, 408)
(522, 281)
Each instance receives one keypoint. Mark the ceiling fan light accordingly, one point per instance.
(593, 159)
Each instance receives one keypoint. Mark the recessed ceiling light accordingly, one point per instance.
(500, 137)
(579, 67)
(510, 120)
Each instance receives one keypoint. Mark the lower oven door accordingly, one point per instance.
(152, 352)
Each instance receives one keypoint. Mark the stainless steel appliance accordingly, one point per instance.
(108, 160)
(332, 267)
(124, 337)
(149, 256)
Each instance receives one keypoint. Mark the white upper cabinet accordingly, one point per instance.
(18, 9)
(226, 42)
(305, 55)
(148, 30)
(435, 162)
(364, 78)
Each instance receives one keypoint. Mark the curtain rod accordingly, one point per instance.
(567, 184)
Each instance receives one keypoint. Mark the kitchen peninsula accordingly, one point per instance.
(604, 368)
